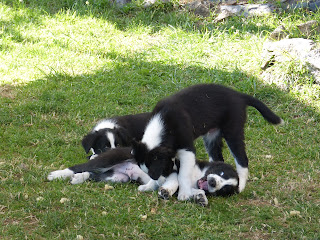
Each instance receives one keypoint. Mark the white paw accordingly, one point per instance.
(243, 176)
(80, 177)
(184, 196)
(62, 174)
(242, 182)
(201, 198)
(242, 185)
(144, 188)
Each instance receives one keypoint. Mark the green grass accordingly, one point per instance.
(64, 65)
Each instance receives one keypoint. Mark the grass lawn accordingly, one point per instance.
(66, 64)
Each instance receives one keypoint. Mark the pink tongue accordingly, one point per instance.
(203, 184)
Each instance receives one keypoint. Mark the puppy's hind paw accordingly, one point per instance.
(164, 194)
(80, 177)
(61, 174)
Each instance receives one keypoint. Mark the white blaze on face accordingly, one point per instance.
(111, 139)
(153, 133)
(144, 168)
(220, 182)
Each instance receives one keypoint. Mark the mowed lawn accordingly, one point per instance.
(66, 64)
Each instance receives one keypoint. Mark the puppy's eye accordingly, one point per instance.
(221, 174)
(132, 152)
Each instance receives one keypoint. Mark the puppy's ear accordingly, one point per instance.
(88, 141)
(167, 152)
(171, 153)
(123, 135)
(134, 143)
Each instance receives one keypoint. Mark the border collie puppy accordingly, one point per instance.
(114, 132)
(205, 109)
(116, 165)
(208, 178)
(216, 179)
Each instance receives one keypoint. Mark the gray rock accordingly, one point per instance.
(310, 28)
(199, 8)
(121, 3)
(148, 3)
(244, 10)
(309, 5)
(278, 34)
(296, 49)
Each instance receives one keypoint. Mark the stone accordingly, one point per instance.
(148, 3)
(309, 5)
(279, 33)
(296, 49)
(120, 3)
(199, 8)
(309, 28)
(245, 10)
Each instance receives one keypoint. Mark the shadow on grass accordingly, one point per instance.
(59, 109)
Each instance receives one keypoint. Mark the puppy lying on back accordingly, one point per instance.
(114, 132)
(118, 165)
(115, 165)
(208, 178)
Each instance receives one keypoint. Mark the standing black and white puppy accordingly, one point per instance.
(198, 110)
(114, 132)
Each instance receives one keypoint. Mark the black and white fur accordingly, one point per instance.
(115, 165)
(114, 132)
(208, 110)
(208, 178)
(211, 178)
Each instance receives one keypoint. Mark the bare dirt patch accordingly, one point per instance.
(7, 91)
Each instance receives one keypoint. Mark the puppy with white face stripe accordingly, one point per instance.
(208, 178)
(208, 110)
(114, 132)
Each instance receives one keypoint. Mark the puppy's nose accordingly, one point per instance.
(212, 182)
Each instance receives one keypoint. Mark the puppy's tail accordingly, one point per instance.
(263, 109)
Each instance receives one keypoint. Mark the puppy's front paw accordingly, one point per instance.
(164, 194)
(184, 196)
(201, 199)
(62, 174)
(144, 188)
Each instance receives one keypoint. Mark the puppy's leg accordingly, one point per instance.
(187, 163)
(80, 177)
(237, 148)
(169, 187)
(62, 174)
(200, 197)
(150, 186)
(117, 177)
(213, 143)
(134, 172)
